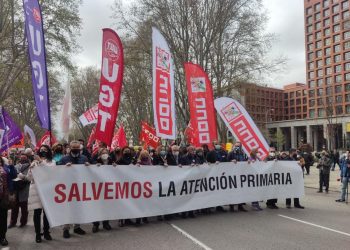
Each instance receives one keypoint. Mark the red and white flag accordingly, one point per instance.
(45, 140)
(163, 87)
(66, 112)
(110, 85)
(190, 134)
(90, 116)
(242, 126)
(91, 137)
(148, 135)
(200, 99)
(119, 139)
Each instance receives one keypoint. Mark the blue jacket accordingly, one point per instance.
(74, 160)
(344, 170)
(11, 174)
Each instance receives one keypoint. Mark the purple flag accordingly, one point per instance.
(36, 48)
(10, 133)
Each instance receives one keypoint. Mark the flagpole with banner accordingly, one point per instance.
(7, 137)
(36, 47)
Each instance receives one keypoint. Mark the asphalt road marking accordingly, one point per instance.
(187, 235)
(315, 225)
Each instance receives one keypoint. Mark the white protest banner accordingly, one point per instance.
(83, 194)
(90, 116)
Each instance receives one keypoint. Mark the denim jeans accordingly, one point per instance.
(345, 181)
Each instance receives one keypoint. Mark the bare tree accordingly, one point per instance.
(225, 37)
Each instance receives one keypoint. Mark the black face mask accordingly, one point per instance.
(127, 155)
(43, 154)
(75, 152)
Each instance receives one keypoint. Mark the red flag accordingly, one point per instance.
(91, 137)
(95, 147)
(45, 140)
(200, 98)
(119, 139)
(148, 135)
(110, 85)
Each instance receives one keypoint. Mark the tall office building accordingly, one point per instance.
(327, 45)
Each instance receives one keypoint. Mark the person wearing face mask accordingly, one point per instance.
(200, 156)
(57, 150)
(237, 155)
(159, 157)
(43, 159)
(271, 203)
(324, 166)
(102, 159)
(7, 174)
(126, 158)
(116, 155)
(74, 157)
(221, 154)
(172, 156)
(22, 192)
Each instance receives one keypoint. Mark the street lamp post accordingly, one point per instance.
(266, 121)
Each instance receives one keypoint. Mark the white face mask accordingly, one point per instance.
(176, 153)
(272, 154)
(104, 156)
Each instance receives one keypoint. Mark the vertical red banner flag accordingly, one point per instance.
(163, 87)
(110, 85)
(200, 99)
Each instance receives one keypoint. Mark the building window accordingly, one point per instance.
(309, 11)
(312, 93)
(311, 85)
(309, 20)
(318, 35)
(328, 80)
(347, 77)
(336, 48)
(328, 90)
(347, 56)
(345, 5)
(338, 99)
(337, 69)
(312, 113)
(319, 81)
(338, 89)
(312, 103)
(347, 109)
(325, 3)
(310, 38)
(291, 103)
(310, 47)
(318, 53)
(291, 95)
(335, 9)
(319, 101)
(346, 45)
(327, 42)
(347, 87)
(338, 78)
(336, 18)
(328, 71)
(310, 56)
(327, 32)
(339, 110)
(346, 14)
(311, 65)
(336, 38)
(347, 98)
(317, 7)
(318, 25)
(347, 66)
(317, 16)
(346, 35)
(336, 28)
(320, 112)
(346, 25)
(319, 92)
(318, 44)
(326, 12)
(337, 58)
(327, 52)
(319, 63)
(311, 74)
(326, 22)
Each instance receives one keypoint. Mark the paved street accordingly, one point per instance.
(324, 224)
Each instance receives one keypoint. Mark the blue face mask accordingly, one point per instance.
(162, 153)
(217, 147)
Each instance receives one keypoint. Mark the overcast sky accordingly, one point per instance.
(286, 21)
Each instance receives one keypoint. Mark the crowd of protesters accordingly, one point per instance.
(18, 191)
